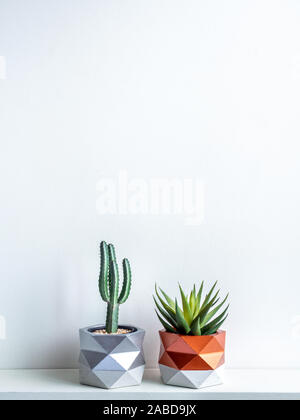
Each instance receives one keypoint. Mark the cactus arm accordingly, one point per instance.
(103, 276)
(113, 305)
(112, 257)
(114, 282)
(126, 282)
(112, 253)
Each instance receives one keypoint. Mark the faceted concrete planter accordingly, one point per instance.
(192, 361)
(111, 360)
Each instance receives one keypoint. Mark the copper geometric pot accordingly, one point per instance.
(192, 361)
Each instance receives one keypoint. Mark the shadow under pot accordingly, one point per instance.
(192, 361)
(111, 360)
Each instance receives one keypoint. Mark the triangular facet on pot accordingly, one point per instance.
(180, 346)
(166, 360)
(138, 361)
(181, 380)
(125, 345)
(220, 336)
(212, 359)
(168, 338)
(197, 342)
(109, 378)
(109, 363)
(137, 338)
(93, 357)
(126, 380)
(197, 363)
(212, 346)
(109, 342)
(167, 373)
(137, 373)
(125, 359)
(181, 359)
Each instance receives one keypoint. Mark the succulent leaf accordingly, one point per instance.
(165, 324)
(213, 312)
(170, 320)
(187, 311)
(170, 310)
(213, 325)
(171, 302)
(199, 295)
(207, 297)
(216, 327)
(195, 327)
(205, 308)
(181, 322)
(195, 318)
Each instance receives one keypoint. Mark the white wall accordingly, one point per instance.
(158, 88)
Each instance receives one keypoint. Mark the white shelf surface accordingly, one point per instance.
(63, 384)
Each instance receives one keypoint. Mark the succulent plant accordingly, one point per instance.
(195, 317)
(109, 284)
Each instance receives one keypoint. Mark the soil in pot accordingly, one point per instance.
(119, 331)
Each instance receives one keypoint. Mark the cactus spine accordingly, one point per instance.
(109, 284)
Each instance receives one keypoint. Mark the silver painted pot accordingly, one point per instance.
(111, 360)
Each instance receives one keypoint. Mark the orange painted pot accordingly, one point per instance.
(192, 361)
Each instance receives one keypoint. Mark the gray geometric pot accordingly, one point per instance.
(111, 361)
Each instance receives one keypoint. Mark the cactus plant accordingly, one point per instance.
(109, 284)
(195, 318)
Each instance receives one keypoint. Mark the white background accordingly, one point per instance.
(159, 88)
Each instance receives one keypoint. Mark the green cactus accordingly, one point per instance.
(109, 284)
